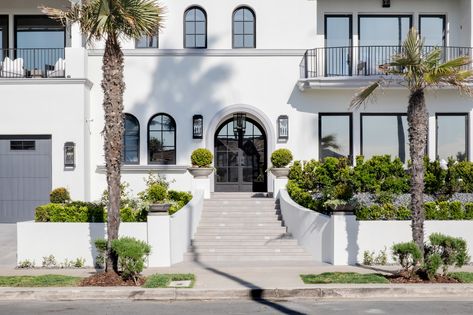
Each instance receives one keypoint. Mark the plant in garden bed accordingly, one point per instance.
(60, 195)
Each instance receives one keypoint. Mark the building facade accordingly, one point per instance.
(239, 78)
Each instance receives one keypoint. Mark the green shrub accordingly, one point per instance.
(469, 211)
(446, 251)
(131, 256)
(72, 212)
(129, 214)
(281, 158)
(302, 197)
(179, 200)
(201, 157)
(383, 212)
(60, 195)
(156, 193)
(408, 255)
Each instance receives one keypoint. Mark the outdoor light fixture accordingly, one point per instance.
(69, 155)
(197, 127)
(386, 3)
(283, 127)
(239, 122)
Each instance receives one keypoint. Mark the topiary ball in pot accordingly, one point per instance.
(156, 193)
(281, 158)
(201, 158)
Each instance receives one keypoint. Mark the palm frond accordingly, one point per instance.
(365, 94)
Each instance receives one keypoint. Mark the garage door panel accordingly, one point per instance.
(25, 177)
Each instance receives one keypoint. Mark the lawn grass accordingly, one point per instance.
(163, 280)
(462, 276)
(343, 277)
(39, 281)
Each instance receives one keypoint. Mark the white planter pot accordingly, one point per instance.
(200, 172)
(280, 172)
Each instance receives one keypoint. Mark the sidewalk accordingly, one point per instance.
(234, 281)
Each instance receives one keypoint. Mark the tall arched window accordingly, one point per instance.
(162, 139)
(131, 140)
(244, 28)
(195, 28)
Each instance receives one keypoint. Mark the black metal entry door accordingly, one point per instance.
(240, 158)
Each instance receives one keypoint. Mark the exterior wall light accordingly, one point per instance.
(197, 127)
(239, 123)
(69, 155)
(283, 127)
(386, 3)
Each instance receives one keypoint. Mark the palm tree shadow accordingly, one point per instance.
(256, 292)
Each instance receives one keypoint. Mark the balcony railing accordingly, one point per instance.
(32, 63)
(360, 60)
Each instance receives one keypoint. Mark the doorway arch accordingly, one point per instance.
(240, 157)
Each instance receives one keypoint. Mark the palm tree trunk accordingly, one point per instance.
(113, 87)
(418, 122)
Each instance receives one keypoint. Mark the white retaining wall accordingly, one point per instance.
(342, 240)
(169, 237)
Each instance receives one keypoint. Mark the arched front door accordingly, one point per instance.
(240, 158)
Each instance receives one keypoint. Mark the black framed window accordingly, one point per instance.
(38, 31)
(432, 29)
(195, 28)
(22, 145)
(452, 136)
(244, 28)
(338, 40)
(385, 134)
(131, 140)
(383, 30)
(335, 135)
(148, 41)
(3, 35)
(162, 140)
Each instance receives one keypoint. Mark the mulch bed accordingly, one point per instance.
(405, 278)
(109, 279)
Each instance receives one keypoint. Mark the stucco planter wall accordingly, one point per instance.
(342, 240)
(169, 237)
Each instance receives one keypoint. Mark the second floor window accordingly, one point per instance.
(244, 28)
(195, 28)
(148, 41)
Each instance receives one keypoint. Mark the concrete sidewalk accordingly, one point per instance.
(271, 280)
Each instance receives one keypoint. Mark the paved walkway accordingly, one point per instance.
(7, 245)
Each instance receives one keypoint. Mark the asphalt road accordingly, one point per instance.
(431, 307)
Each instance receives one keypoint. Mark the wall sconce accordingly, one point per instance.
(69, 155)
(197, 127)
(239, 122)
(386, 3)
(283, 127)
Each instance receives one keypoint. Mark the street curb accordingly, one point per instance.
(172, 294)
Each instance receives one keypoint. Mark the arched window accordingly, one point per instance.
(195, 28)
(162, 140)
(131, 140)
(244, 28)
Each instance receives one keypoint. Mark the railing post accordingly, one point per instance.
(306, 71)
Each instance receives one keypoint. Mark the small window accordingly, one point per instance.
(385, 134)
(432, 29)
(244, 28)
(162, 140)
(22, 145)
(131, 140)
(195, 28)
(148, 41)
(335, 132)
(452, 136)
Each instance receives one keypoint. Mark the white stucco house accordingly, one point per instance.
(285, 69)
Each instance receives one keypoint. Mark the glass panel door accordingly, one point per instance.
(338, 42)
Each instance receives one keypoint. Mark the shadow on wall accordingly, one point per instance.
(181, 87)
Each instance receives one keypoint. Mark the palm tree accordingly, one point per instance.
(110, 20)
(420, 70)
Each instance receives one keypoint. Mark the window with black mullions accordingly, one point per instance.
(131, 140)
(244, 28)
(195, 28)
(162, 140)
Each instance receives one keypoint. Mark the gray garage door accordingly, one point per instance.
(25, 176)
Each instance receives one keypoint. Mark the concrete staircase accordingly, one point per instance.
(243, 227)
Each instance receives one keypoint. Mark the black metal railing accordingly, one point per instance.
(32, 63)
(361, 60)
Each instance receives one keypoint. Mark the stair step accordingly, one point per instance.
(241, 225)
(225, 230)
(239, 257)
(240, 237)
(246, 243)
(248, 250)
(226, 219)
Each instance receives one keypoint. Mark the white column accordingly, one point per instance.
(432, 137)
(278, 184)
(76, 36)
(159, 234)
(201, 184)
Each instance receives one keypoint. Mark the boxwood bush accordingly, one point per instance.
(201, 157)
(281, 158)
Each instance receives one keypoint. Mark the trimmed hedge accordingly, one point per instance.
(442, 210)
